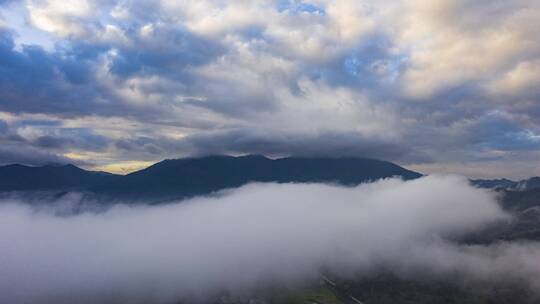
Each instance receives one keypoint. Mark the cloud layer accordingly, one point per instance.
(252, 236)
(440, 85)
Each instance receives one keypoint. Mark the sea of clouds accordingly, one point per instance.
(253, 235)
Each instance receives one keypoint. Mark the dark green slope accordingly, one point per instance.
(180, 178)
(194, 176)
(521, 200)
(51, 177)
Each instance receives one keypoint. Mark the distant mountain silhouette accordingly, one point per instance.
(517, 196)
(506, 184)
(51, 177)
(194, 176)
(179, 178)
(528, 184)
(521, 200)
(502, 183)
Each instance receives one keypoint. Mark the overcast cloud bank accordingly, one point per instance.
(447, 86)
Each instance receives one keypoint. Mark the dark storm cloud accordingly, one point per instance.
(35, 81)
(83, 139)
(168, 53)
(148, 145)
(242, 141)
(263, 142)
(64, 83)
(41, 141)
(3, 127)
(11, 153)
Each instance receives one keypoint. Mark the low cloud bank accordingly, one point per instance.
(257, 234)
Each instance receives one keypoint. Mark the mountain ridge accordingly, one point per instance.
(185, 177)
(17, 177)
(527, 184)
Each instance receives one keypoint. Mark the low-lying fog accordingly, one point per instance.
(257, 234)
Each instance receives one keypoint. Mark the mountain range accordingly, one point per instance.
(186, 177)
(506, 184)
(173, 179)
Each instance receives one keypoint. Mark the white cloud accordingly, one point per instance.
(452, 43)
(319, 107)
(3, 24)
(524, 77)
(142, 254)
(64, 18)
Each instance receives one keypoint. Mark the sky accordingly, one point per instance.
(447, 86)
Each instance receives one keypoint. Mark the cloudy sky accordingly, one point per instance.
(437, 86)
